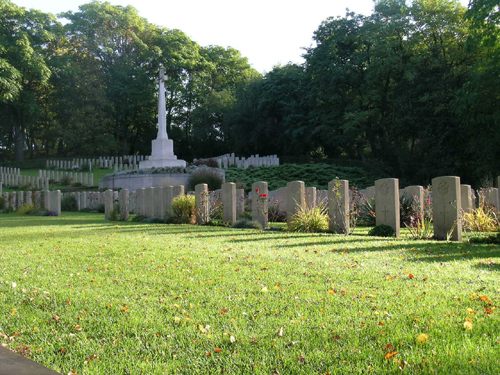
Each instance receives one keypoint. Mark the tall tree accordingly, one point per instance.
(24, 37)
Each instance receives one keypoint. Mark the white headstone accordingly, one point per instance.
(446, 205)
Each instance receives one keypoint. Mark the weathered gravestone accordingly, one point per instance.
(55, 202)
(202, 203)
(296, 198)
(124, 202)
(260, 203)
(387, 203)
(415, 195)
(140, 205)
(466, 198)
(108, 203)
(446, 204)
(338, 201)
(310, 193)
(149, 202)
(168, 195)
(158, 202)
(229, 202)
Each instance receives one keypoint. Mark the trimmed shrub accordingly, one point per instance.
(205, 175)
(310, 220)
(65, 180)
(68, 203)
(2, 203)
(382, 231)
(247, 224)
(184, 209)
(212, 163)
(152, 220)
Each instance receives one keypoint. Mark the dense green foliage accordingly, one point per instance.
(318, 175)
(413, 88)
(94, 297)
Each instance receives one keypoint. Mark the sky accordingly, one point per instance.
(267, 32)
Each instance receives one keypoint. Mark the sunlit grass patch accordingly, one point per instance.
(79, 293)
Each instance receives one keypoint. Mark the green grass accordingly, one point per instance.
(78, 293)
(317, 175)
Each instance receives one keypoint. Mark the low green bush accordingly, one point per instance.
(249, 224)
(65, 180)
(68, 203)
(184, 209)
(382, 231)
(205, 175)
(27, 209)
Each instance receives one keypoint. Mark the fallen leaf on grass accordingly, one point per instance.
(217, 350)
(422, 339)
(390, 354)
(468, 325)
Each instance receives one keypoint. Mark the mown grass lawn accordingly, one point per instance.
(81, 294)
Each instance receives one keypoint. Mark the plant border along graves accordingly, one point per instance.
(84, 295)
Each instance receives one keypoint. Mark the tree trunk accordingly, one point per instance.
(19, 143)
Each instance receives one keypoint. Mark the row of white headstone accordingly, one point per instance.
(449, 200)
(16, 180)
(43, 200)
(228, 160)
(86, 179)
(9, 170)
(103, 162)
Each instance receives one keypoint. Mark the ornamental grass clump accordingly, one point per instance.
(184, 209)
(481, 219)
(310, 219)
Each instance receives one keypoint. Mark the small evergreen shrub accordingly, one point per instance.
(212, 163)
(68, 203)
(2, 203)
(76, 184)
(65, 180)
(310, 219)
(138, 218)
(85, 167)
(100, 208)
(152, 220)
(204, 175)
(184, 209)
(382, 231)
(114, 215)
(247, 224)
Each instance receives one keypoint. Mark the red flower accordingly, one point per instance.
(263, 195)
(257, 190)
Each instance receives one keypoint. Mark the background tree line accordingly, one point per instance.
(411, 88)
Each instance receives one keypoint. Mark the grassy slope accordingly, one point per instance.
(111, 298)
(312, 174)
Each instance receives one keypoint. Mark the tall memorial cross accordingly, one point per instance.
(162, 148)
